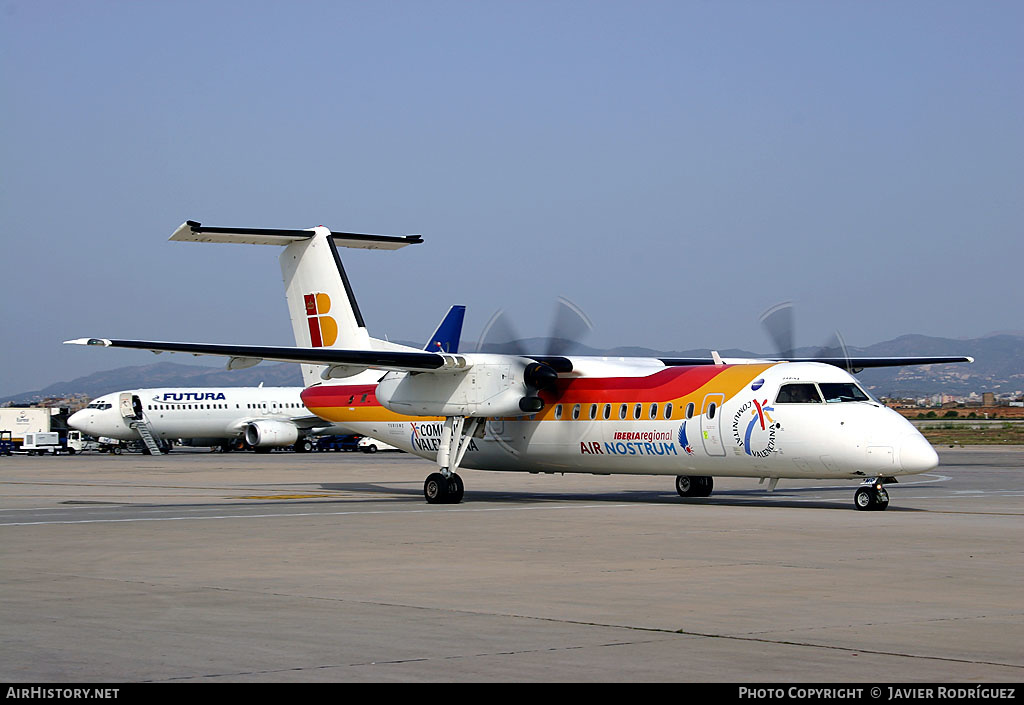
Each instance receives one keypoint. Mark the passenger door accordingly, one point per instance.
(711, 424)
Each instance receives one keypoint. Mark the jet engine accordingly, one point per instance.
(263, 434)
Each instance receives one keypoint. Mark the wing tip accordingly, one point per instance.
(89, 341)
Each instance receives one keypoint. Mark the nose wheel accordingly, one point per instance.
(871, 497)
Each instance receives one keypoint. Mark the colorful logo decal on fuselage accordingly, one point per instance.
(323, 329)
(758, 438)
(683, 440)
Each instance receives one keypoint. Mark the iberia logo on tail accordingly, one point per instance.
(323, 329)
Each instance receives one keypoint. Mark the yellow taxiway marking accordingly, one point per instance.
(291, 496)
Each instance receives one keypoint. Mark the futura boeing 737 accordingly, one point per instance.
(693, 418)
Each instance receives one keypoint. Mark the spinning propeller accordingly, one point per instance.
(568, 326)
(778, 323)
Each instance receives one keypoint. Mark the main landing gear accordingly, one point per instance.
(441, 490)
(871, 496)
(445, 486)
(694, 485)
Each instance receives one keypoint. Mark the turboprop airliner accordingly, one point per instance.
(693, 418)
(261, 418)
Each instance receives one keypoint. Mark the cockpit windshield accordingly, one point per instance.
(842, 391)
(807, 393)
(802, 393)
(100, 405)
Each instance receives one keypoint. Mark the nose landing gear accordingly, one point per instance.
(871, 496)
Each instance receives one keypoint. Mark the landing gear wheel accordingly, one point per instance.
(871, 499)
(694, 486)
(705, 485)
(685, 486)
(455, 489)
(881, 499)
(439, 490)
(435, 489)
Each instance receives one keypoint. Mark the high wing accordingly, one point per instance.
(846, 363)
(248, 355)
(409, 361)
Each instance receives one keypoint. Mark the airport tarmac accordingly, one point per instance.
(211, 567)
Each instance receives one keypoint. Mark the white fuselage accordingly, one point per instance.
(738, 425)
(206, 414)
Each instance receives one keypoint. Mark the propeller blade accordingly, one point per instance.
(836, 347)
(499, 337)
(778, 323)
(570, 325)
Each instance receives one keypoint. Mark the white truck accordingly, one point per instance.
(27, 421)
(42, 443)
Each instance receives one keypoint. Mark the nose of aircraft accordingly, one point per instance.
(80, 420)
(917, 454)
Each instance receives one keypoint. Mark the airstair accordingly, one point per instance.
(147, 436)
(131, 410)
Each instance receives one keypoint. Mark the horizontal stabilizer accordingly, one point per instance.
(191, 231)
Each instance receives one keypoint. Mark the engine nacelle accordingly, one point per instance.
(261, 434)
(492, 385)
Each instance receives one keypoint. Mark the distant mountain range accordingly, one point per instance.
(998, 368)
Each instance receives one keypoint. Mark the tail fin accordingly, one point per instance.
(321, 303)
(449, 332)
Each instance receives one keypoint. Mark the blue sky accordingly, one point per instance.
(674, 168)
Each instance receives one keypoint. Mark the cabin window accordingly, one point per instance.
(637, 410)
(593, 411)
(363, 400)
(654, 411)
(576, 412)
(800, 393)
(842, 391)
(558, 411)
(622, 411)
(712, 407)
(607, 411)
(689, 410)
(668, 411)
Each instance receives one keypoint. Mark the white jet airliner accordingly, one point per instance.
(693, 418)
(264, 417)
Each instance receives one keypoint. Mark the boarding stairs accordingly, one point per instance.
(147, 436)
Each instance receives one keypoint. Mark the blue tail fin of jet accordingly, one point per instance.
(446, 338)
